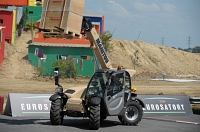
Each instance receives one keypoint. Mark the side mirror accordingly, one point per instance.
(56, 71)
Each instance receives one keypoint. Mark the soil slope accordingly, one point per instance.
(152, 59)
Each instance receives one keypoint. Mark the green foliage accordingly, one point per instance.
(196, 49)
(29, 24)
(23, 19)
(40, 71)
(67, 69)
(136, 58)
(105, 39)
(193, 50)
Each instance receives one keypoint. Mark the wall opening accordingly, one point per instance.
(30, 12)
(85, 57)
(1, 21)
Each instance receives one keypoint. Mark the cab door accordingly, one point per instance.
(114, 94)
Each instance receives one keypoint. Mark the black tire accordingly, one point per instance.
(94, 117)
(56, 113)
(133, 114)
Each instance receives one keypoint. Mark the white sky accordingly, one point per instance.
(172, 20)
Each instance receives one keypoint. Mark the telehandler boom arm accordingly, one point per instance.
(96, 44)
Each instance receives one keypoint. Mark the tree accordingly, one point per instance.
(105, 39)
(67, 69)
(196, 49)
(23, 20)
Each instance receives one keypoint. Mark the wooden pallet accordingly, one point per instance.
(73, 33)
(57, 35)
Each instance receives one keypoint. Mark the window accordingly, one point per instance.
(30, 12)
(85, 57)
(1, 21)
(116, 84)
(127, 80)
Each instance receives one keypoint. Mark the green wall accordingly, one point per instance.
(34, 12)
(52, 53)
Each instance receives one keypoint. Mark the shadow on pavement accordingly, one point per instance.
(76, 123)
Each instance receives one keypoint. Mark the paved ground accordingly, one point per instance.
(42, 124)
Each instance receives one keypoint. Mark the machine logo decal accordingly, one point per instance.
(102, 50)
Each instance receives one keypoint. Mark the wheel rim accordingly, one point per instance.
(131, 113)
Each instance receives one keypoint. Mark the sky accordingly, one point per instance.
(172, 23)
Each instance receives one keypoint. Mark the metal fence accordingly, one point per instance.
(194, 100)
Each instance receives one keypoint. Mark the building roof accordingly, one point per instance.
(92, 15)
(2, 9)
(60, 45)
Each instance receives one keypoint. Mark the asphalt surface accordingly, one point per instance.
(111, 124)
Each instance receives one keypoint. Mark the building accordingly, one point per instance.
(33, 12)
(9, 20)
(36, 2)
(97, 21)
(44, 54)
(53, 46)
(14, 3)
(2, 44)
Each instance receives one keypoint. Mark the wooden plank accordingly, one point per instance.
(42, 20)
(57, 35)
(56, 5)
(44, 8)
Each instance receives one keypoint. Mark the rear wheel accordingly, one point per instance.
(94, 117)
(132, 115)
(56, 113)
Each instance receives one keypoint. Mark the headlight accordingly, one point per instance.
(59, 90)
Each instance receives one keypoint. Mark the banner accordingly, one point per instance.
(26, 104)
(23, 104)
(162, 105)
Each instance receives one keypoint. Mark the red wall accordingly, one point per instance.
(2, 47)
(7, 17)
(14, 2)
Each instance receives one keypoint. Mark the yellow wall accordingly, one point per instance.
(14, 25)
(32, 2)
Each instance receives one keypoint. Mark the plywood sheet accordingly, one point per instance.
(72, 22)
(52, 19)
(76, 6)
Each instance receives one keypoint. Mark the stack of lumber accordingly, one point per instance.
(66, 15)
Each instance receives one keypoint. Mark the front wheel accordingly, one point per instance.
(132, 115)
(56, 113)
(94, 117)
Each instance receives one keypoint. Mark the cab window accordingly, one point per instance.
(116, 84)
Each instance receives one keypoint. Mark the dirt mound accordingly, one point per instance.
(152, 60)
(16, 64)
